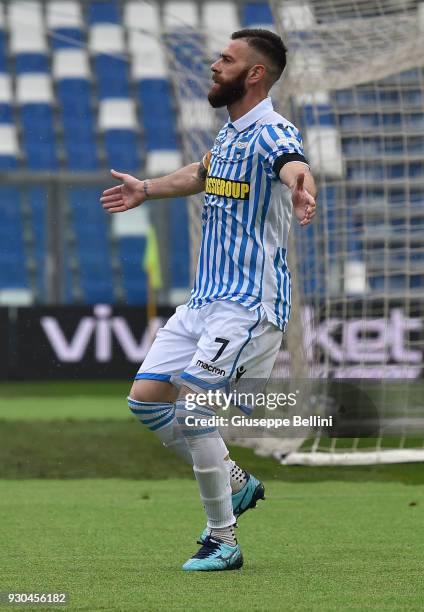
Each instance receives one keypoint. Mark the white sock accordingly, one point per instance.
(160, 419)
(208, 451)
(226, 535)
(237, 476)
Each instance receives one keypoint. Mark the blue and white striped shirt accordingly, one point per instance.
(246, 218)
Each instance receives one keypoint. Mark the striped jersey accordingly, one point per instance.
(246, 215)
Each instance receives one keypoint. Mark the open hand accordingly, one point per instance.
(127, 195)
(304, 205)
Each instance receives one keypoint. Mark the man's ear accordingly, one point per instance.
(256, 73)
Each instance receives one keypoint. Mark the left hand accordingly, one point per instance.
(304, 205)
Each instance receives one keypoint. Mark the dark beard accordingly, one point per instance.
(229, 93)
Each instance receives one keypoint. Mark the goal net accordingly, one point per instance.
(354, 85)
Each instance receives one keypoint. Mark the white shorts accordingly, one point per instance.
(208, 347)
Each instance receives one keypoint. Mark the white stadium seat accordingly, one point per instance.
(106, 38)
(196, 113)
(142, 15)
(181, 15)
(117, 114)
(64, 15)
(25, 12)
(26, 39)
(297, 16)
(34, 88)
(324, 150)
(135, 222)
(8, 140)
(16, 297)
(26, 27)
(148, 59)
(163, 162)
(6, 95)
(220, 19)
(70, 64)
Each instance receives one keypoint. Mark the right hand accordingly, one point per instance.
(125, 196)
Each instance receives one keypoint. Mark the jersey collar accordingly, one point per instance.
(255, 113)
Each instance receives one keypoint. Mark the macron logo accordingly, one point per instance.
(210, 368)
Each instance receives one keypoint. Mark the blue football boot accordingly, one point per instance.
(245, 499)
(214, 556)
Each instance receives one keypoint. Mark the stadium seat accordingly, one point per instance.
(34, 88)
(65, 22)
(122, 150)
(70, 63)
(134, 280)
(103, 12)
(147, 57)
(38, 136)
(26, 28)
(181, 15)
(2, 50)
(78, 122)
(6, 98)
(75, 97)
(37, 199)
(143, 14)
(117, 113)
(9, 150)
(13, 272)
(106, 38)
(220, 19)
(256, 14)
(64, 14)
(92, 244)
(156, 105)
(179, 239)
(118, 86)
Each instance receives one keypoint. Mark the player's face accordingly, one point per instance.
(229, 75)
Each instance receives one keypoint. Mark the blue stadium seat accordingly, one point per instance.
(74, 96)
(107, 87)
(188, 49)
(2, 51)
(103, 12)
(37, 199)
(78, 125)
(6, 114)
(81, 156)
(179, 239)
(13, 273)
(254, 13)
(92, 244)
(134, 278)
(38, 136)
(8, 162)
(156, 107)
(122, 149)
(31, 62)
(63, 38)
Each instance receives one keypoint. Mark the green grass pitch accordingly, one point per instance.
(91, 504)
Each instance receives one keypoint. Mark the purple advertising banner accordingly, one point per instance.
(103, 341)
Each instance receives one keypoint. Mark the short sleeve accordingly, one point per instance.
(281, 144)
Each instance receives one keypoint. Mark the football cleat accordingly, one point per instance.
(214, 556)
(245, 499)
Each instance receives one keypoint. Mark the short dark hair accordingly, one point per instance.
(267, 43)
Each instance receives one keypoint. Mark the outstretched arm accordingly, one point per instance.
(301, 182)
(132, 192)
